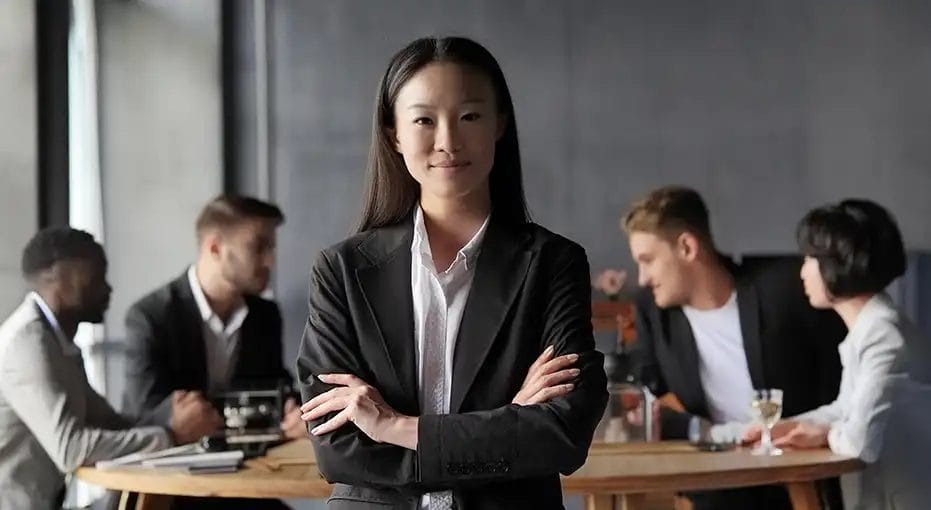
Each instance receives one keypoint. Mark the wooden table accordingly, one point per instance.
(615, 475)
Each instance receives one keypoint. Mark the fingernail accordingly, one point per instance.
(323, 377)
(305, 416)
(570, 387)
(573, 357)
(550, 349)
(314, 430)
(575, 371)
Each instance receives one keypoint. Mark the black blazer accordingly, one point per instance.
(531, 289)
(165, 349)
(788, 344)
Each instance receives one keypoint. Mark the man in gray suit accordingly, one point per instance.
(51, 420)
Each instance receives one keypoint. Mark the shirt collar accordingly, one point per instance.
(52, 320)
(203, 306)
(877, 305)
(469, 252)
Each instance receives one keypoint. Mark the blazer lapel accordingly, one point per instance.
(748, 305)
(191, 333)
(680, 333)
(386, 286)
(249, 359)
(499, 274)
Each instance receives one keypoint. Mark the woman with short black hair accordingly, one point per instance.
(853, 251)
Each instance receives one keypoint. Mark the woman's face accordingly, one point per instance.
(815, 289)
(446, 126)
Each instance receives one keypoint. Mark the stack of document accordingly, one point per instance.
(188, 458)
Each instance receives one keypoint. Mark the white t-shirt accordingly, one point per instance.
(722, 361)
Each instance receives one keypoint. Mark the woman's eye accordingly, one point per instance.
(471, 116)
(423, 121)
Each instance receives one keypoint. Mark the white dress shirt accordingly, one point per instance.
(221, 341)
(439, 302)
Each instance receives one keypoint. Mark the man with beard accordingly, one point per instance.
(209, 330)
(51, 420)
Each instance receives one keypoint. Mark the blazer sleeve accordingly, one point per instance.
(148, 389)
(345, 455)
(55, 409)
(673, 424)
(859, 432)
(504, 443)
(646, 366)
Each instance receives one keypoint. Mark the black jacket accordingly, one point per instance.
(166, 352)
(788, 344)
(531, 289)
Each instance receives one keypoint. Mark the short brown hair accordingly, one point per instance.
(668, 212)
(227, 211)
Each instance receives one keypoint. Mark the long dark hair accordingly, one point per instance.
(391, 192)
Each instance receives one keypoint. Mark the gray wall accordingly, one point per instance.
(18, 153)
(767, 107)
(160, 138)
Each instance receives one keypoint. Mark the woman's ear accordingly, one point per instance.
(392, 135)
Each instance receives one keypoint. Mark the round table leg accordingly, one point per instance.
(599, 502)
(804, 496)
(612, 502)
(137, 501)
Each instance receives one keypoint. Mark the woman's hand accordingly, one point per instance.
(805, 434)
(547, 378)
(755, 432)
(357, 402)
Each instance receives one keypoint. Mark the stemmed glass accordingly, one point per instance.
(767, 409)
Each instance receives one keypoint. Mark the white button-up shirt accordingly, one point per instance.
(439, 302)
(221, 341)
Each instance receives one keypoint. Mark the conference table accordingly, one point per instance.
(616, 475)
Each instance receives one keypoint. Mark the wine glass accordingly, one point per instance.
(767, 409)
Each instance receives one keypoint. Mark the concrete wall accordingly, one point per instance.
(160, 138)
(18, 144)
(767, 107)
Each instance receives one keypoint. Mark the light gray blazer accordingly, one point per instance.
(882, 410)
(51, 420)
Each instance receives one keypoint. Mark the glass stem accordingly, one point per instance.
(767, 439)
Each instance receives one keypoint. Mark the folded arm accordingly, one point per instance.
(512, 441)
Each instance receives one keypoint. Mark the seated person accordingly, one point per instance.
(853, 250)
(710, 331)
(51, 420)
(208, 329)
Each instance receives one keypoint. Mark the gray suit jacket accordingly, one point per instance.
(881, 413)
(51, 420)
